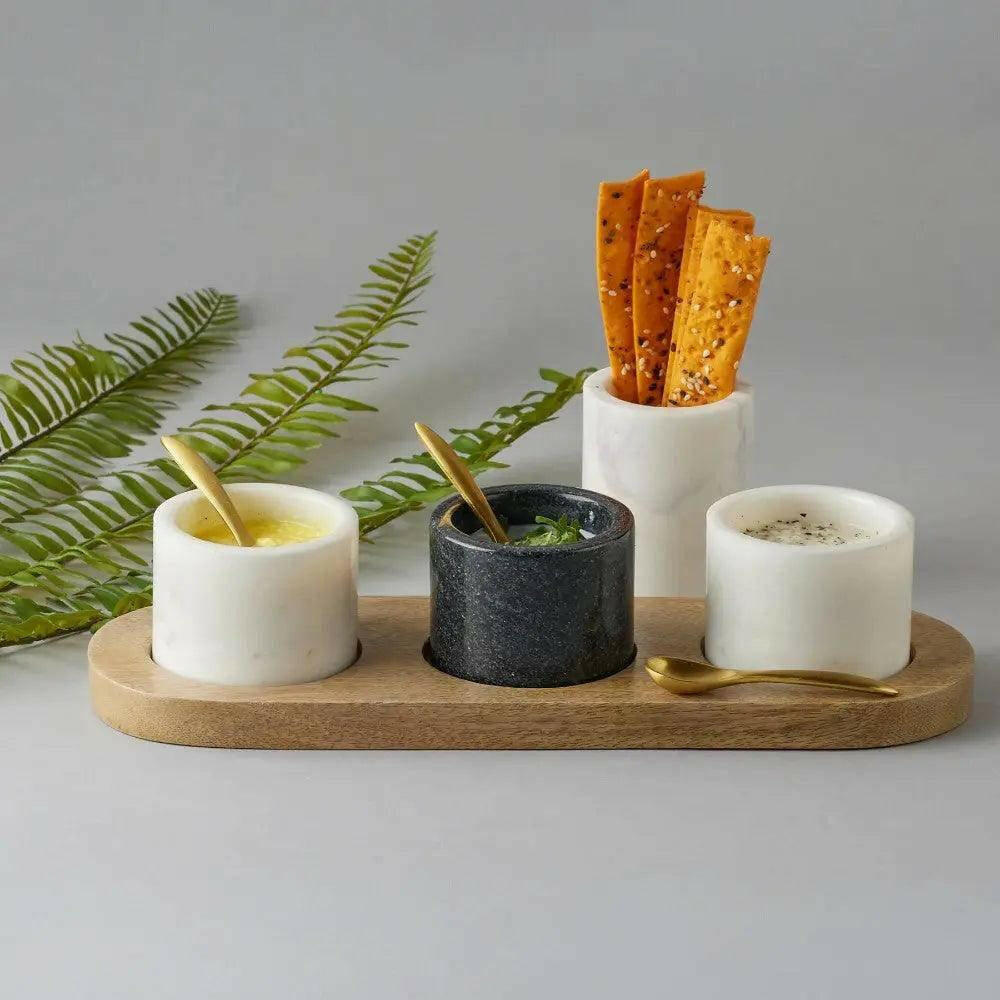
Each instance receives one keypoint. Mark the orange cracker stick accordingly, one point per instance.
(698, 219)
(658, 245)
(618, 205)
(721, 310)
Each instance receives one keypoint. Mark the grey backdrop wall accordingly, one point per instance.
(272, 150)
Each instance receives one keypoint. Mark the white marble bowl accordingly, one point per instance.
(230, 615)
(668, 465)
(771, 605)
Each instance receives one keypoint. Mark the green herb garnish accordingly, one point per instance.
(549, 532)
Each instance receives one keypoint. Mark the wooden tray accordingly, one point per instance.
(392, 699)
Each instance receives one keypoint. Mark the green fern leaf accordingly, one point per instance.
(420, 483)
(291, 409)
(377, 501)
(69, 410)
(24, 620)
(261, 435)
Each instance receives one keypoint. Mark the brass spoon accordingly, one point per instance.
(463, 481)
(690, 677)
(199, 472)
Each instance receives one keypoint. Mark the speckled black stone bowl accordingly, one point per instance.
(541, 616)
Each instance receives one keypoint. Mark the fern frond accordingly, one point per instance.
(92, 534)
(291, 409)
(68, 410)
(377, 501)
(24, 619)
(421, 484)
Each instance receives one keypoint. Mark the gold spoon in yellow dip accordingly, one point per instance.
(691, 677)
(200, 473)
(463, 481)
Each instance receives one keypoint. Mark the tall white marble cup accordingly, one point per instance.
(668, 465)
(281, 615)
(774, 606)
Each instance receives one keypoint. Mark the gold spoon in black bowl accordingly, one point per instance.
(464, 482)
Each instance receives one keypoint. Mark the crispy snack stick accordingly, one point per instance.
(618, 205)
(658, 245)
(721, 310)
(698, 219)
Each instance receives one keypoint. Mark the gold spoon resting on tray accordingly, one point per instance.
(691, 677)
(199, 472)
(463, 481)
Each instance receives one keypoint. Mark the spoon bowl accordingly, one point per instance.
(680, 676)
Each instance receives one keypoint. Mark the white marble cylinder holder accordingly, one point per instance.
(773, 606)
(668, 465)
(281, 615)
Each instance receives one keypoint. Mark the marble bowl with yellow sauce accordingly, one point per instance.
(281, 612)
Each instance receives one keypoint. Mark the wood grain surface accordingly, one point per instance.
(392, 699)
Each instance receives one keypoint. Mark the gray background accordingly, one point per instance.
(272, 150)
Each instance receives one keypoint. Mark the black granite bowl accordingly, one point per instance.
(538, 616)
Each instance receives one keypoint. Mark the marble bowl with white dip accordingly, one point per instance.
(816, 577)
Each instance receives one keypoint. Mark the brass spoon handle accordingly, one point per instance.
(463, 481)
(816, 678)
(200, 473)
(681, 676)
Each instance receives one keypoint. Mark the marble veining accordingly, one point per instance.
(668, 466)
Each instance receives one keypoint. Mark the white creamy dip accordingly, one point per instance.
(801, 531)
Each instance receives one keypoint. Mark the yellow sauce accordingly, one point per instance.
(265, 532)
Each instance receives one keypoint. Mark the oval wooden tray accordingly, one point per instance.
(392, 699)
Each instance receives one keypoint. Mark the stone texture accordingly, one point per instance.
(543, 616)
(668, 465)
